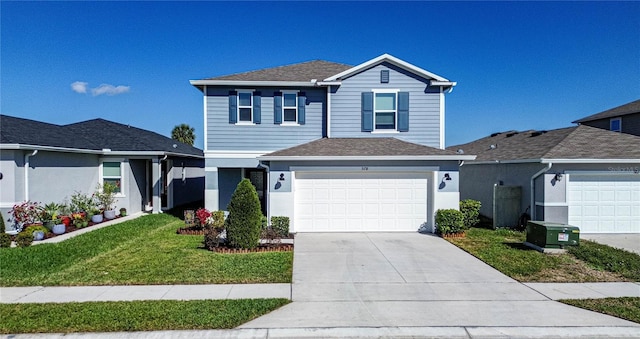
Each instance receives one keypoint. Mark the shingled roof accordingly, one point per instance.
(626, 109)
(580, 142)
(305, 71)
(94, 135)
(360, 147)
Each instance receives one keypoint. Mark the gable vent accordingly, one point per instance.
(384, 76)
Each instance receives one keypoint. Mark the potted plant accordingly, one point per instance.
(96, 216)
(50, 214)
(123, 212)
(80, 219)
(37, 231)
(26, 213)
(105, 197)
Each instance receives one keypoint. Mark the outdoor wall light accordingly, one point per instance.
(558, 177)
(446, 177)
(281, 177)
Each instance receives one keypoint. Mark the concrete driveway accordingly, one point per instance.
(625, 241)
(409, 279)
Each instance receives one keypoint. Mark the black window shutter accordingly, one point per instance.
(367, 111)
(277, 108)
(302, 104)
(233, 107)
(403, 111)
(257, 107)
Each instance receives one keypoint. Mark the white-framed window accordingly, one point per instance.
(245, 106)
(385, 110)
(615, 124)
(289, 107)
(112, 171)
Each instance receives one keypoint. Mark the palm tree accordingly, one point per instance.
(184, 133)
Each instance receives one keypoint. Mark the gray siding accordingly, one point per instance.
(54, 176)
(11, 174)
(630, 124)
(221, 135)
(137, 185)
(424, 106)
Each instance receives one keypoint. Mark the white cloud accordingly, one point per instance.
(109, 90)
(79, 87)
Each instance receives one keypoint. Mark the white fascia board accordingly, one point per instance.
(494, 162)
(235, 154)
(329, 83)
(590, 161)
(49, 148)
(366, 158)
(152, 153)
(251, 83)
(391, 59)
(443, 83)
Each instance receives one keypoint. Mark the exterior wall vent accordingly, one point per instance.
(384, 76)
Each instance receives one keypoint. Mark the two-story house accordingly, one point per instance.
(332, 146)
(624, 119)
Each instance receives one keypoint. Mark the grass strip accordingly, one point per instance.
(144, 251)
(627, 308)
(132, 315)
(606, 258)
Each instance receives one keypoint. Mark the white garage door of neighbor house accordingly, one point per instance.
(604, 203)
(359, 201)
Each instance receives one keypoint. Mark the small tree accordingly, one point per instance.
(184, 133)
(243, 223)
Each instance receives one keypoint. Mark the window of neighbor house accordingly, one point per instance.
(245, 106)
(615, 125)
(290, 107)
(385, 109)
(112, 173)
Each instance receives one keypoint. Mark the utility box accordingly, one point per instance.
(552, 235)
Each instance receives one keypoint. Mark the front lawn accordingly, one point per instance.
(153, 315)
(590, 262)
(625, 308)
(143, 251)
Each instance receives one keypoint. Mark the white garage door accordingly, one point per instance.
(357, 202)
(604, 203)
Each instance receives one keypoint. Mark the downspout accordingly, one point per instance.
(533, 196)
(268, 197)
(26, 174)
(328, 111)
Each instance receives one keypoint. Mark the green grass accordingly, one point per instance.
(132, 315)
(606, 258)
(504, 250)
(138, 252)
(626, 308)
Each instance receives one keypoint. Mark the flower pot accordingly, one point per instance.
(59, 229)
(49, 224)
(38, 235)
(96, 218)
(110, 214)
(123, 212)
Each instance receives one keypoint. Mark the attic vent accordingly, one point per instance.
(460, 151)
(493, 146)
(495, 134)
(537, 133)
(511, 134)
(384, 76)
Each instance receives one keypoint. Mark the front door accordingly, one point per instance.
(258, 178)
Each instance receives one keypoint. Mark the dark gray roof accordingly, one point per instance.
(626, 109)
(580, 142)
(356, 147)
(305, 71)
(96, 134)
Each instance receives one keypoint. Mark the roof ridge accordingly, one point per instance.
(278, 67)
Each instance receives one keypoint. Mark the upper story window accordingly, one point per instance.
(245, 106)
(290, 107)
(615, 125)
(385, 110)
(112, 173)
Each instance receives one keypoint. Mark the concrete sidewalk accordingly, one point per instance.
(63, 294)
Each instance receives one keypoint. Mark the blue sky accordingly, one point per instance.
(519, 65)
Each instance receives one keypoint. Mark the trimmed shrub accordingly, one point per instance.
(2, 226)
(213, 229)
(470, 212)
(244, 222)
(280, 225)
(5, 240)
(24, 239)
(449, 221)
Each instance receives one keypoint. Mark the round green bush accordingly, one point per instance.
(449, 221)
(470, 212)
(5, 240)
(244, 222)
(24, 239)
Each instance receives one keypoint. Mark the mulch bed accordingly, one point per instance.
(71, 228)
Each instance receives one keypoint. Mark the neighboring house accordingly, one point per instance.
(625, 119)
(48, 163)
(584, 176)
(332, 146)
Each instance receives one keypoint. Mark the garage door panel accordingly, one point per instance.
(360, 201)
(604, 203)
